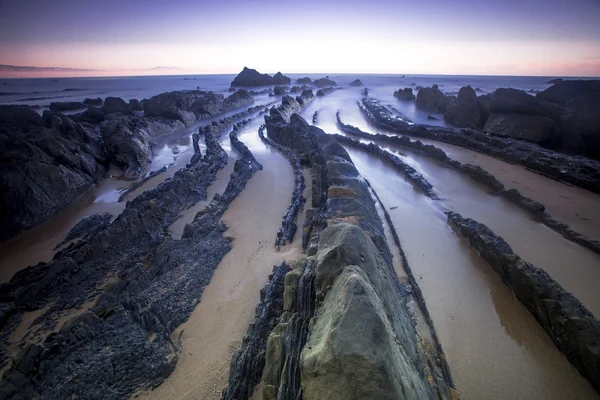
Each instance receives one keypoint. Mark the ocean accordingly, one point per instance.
(40, 92)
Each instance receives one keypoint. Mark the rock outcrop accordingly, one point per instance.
(532, 128)
(432, 100)
(563, 91)
(577, 170)
(572, 328)
(251, 77)
(304, 81)
(356, 82)
(322, 82)
(123, 344)
(116, 105)
(45, 164)
(279, 90)
(464, 111)
(324, 91)
(319, 348)
(136, 105)
(404, 94)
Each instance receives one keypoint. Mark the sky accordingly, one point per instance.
(130, 37)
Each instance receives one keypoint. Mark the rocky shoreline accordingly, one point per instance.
(536, 209)
(142, 284)
(350, 257)
(576, 170)
(572, 328)
(50, 161)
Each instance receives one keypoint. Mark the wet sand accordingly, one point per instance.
(217, 325)
(494, 347)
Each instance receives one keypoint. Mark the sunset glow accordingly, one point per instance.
(381, 36)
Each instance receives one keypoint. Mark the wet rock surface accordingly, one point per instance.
(61, 106)
(572, 328)
(532, 128)
(404, 94)
(464, 111)
(345, 231)
(46, 164)
(324, 91)
(432, 99)
(251, 77)
(563, 91)
(577, 170)
(478, 174)
(142, 283)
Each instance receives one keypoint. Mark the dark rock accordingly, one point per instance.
(304, 81)
(45, 164)
(585, 102)
(136, 105)
(251, 77)
(579, 171)
(279, 90)
(531, 128)
(554, 81)
(87, 227)
(93, 102)
(580, 131)
(464, 111)
(324, 91)
(92, 115)
(295, 89)
(60, 106)
(365, 92)
(247, 363)
(321, 82)
(356, 82)
(513, 101)
(572, 328)
(432, 100)
(404, 94)
(116, 105)
(563, 91)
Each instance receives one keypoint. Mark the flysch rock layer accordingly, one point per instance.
(345, 330)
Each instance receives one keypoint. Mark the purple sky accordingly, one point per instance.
(511, 37)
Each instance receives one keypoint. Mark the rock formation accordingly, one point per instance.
(251, 77)
(61, 106)
(432, 100)
(322, 82)
(464, 111)
(304, 81)
(93, 102)
(46, 164)
(404, 94)
(356, 82)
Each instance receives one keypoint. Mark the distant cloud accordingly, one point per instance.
(591, 58)
(22, 68)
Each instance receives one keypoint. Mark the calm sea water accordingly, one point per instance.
(42, 91)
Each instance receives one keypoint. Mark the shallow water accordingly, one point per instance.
(495, 349)
(577, 207)
(217, 325)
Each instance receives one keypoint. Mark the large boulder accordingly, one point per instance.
(532, 128)
(404, 94)
(563, 91)
(464, 112)
(136, 105)
(580, 131)
(251, 77)
(92, 115)
(304, 81)
(114, 105)
(432, 100)
(352, 351)
(513, 101)
(356, 82)
(322, 82)
(585, 102)
(45, 164)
